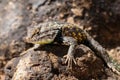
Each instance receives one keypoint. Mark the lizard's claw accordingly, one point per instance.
(69, 60)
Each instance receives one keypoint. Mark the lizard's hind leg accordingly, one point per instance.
(70, 55)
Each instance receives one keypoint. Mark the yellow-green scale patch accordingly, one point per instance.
(45, 41)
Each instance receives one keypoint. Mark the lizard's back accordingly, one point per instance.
(74, 31)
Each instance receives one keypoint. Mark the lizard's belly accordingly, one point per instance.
(75, 32)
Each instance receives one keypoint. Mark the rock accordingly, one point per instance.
(46, 63)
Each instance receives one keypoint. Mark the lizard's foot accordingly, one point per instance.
(69, 60)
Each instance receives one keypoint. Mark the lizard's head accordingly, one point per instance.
(43, 33)
(32, 33)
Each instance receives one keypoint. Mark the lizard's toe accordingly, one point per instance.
(69, 60)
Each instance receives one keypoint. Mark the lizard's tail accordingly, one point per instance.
(102, 53)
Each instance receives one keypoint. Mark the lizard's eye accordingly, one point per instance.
(34, 32)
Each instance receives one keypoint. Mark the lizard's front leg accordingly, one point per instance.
(70, 55)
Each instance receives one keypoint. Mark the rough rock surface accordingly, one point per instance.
(46, 63)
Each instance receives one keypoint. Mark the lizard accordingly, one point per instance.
(68, 34)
